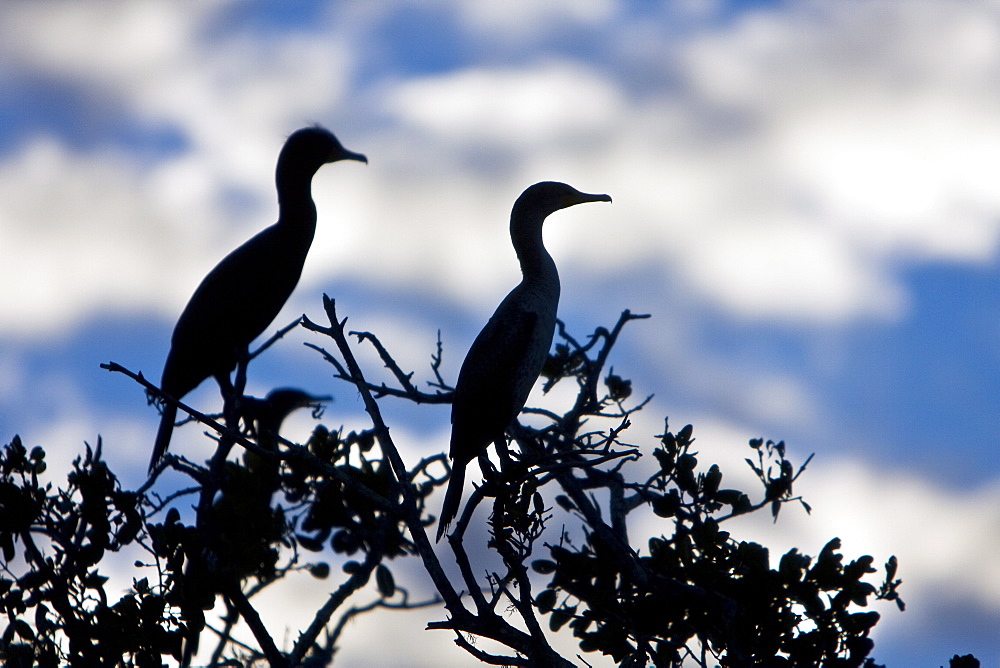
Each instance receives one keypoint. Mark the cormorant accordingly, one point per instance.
(505, 359)
(241, 530)
(240, 297)
(268, 415)
(245, 525)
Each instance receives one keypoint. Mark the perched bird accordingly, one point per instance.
(241, 531)
(245, 528)
(507, 356)
(240, 297)
(269, 413)
(267, 416)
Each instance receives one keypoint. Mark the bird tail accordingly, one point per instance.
(452, 498)
(163, 434)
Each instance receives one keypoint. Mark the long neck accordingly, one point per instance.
(296, 210)
(537, 266)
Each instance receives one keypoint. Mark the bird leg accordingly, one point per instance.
(502, 452)
(490, 474)
(241, 372)
(232, 393)
(231, 402)
(231, 415)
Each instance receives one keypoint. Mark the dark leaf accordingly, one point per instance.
(385, 582)
(546, 600)
(320, 571)
(543, 566)
(560, 617)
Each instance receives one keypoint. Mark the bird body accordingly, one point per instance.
(506, 358)
(244, 524)
(243, 294)
(267, 416)
(249, 489)
(232, 306)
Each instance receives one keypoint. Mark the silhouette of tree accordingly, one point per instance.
(559, 515)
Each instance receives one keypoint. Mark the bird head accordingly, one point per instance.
(271, 411)
(314, 147)
(547, 197)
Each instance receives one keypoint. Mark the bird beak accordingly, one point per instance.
(344, 154)
(583, 198)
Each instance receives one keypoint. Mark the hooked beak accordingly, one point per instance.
(583, 198)
(344, 154)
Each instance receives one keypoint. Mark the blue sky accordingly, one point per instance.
(805, 200)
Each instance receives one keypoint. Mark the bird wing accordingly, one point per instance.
(231, 307)
(490, 388)
(245, 291)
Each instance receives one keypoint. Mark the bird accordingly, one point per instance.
(507, 356)
(245, 526)
(241, 531)
(240, 297)
(267, 415)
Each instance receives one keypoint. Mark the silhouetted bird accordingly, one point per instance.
(505, 359)
(244, 525)
(240, 533)
(268, 415)
(238, 299)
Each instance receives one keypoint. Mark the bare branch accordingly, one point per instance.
(280, 334)
(294, 453)
(408, 391)
(357, 580)
(410, 510)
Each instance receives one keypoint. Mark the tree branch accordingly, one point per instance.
(410, 509)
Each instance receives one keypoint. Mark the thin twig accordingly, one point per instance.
(408, 391)
(410, 509)
(358, 579)
(275, 338)
(293, 454)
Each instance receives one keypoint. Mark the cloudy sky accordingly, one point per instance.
(805, 200)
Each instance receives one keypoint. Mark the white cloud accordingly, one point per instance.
(792, 271)
(803, 157)
(226, 89)
(524, 108)
(796, 161)
(903, 179)
(123, 43)
(876, 118)
(524, 21)
(68, 217)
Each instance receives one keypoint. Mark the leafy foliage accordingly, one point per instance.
(561, 501)
(700, 583)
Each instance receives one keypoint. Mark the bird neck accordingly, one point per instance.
(537, 265)
(296, 210)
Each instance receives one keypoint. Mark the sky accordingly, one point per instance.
(805, 202)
